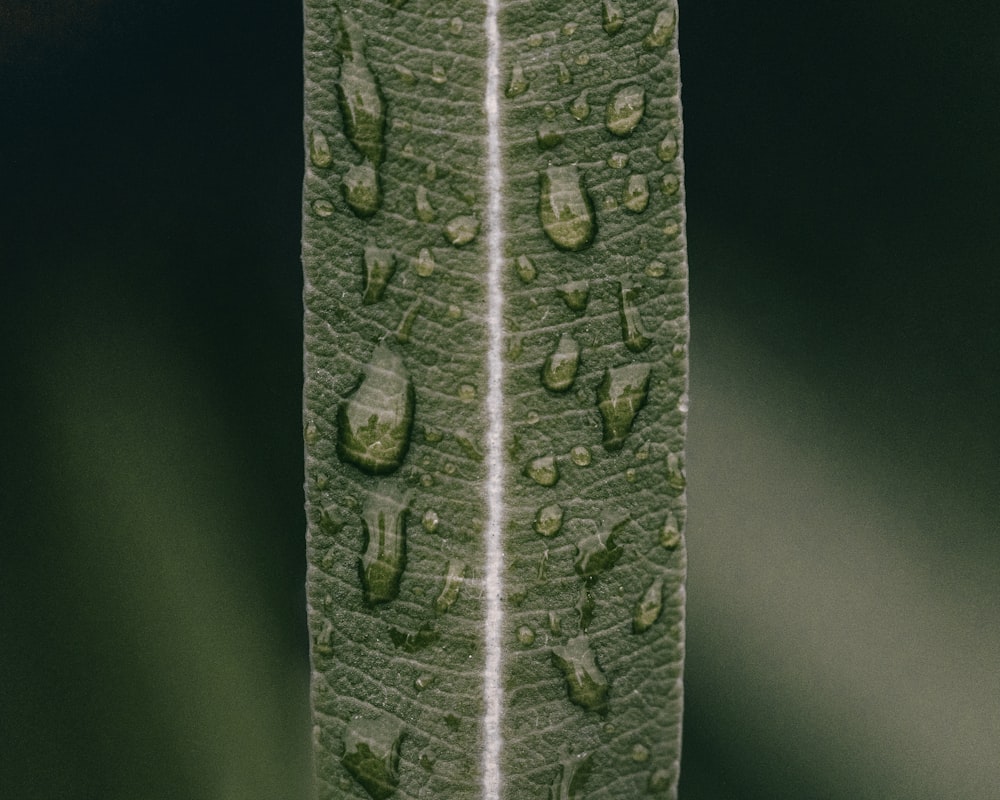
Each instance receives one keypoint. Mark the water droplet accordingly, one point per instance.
(374, 423)
(431, 171)
(670, 535)
(635, 197)
(585, 606)
(676, 479)
(662, 30)
(453, 580)
(586, 683)
(322, 481)
(572, 775)
(535, 40)
(311, 434)
(548, 520)
(670, 184)
(612, 17)
(609, 203)
(569, 29)
(438, 75)
(683, 400)
(559, 369)
(566, 212)
(659, 781)
(359, 95)
(580, 456)
(322, 642)
(543, 471)
(430, 521)
(575, 295)
(361, 189)
(633, 333)
(380, 266)
(555, 625)
(331, 522)
(667, 149)
(414, 641)
(656, 269)
(640, 753)
(648, 609)
(620, 396)
(597, 553)
(455, 26)
(533, 418)
(466, 392)
(618, 160)
(454, 312)
(427, 758)
(549, 136)
(423, 681)
(625, 110)
(642, 452)
(322, 207)
(672, 229)
(405, 74)
(425, 213)
(525, 636)
(461, 230)
(384, 556)
(526, 269)
(468, 444)
(371, 753)
(583, 59)
(425, 264)
(518, 84)
(631, 475)
(319, 149)
(565, 76)
(579, 109)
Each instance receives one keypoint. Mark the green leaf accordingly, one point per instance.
(495, 398)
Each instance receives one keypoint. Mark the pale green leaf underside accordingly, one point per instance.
(594, 397)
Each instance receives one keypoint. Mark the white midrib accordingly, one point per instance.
(492, 689)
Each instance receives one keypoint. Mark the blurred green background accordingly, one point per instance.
(842, 162)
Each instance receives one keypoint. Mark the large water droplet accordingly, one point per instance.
(319, 149)
(425, 213)
(635, 196)
(543, 471)
(575, 295)
(662, 30)
(597, 552)
(648, 609)
(565, 208)
(625, 110)
(559, 369)
(453, 580)
(461, 230)
(620, 396)
(518, 82)
(380, 266)
(612, 17)
(359, 95)
(572, 775)
(548, 520)
(585, 681)
(374, 424)
(384, 556)
(371, 753)
(361, 189)
(414, 641)
(633, 333)
(580, 108)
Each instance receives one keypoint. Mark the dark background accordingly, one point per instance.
(844, 453)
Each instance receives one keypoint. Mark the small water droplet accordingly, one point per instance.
(620, 396)
(427, 758)
(322, 642)
(518, 83)
(535, 40)
(410, 641)
(585, 681)
(453, 580)
(548, 520)
(635, 197)
(597, 552)
(670, 184)
(430, 521)
(371, 753)
(319, 149)
(461, 230)
(425, 264)
(359, 95)
(570, 778)
(659, 781)
(525, 636)
(374, 424)
(380, 266)
(569, 29)
(384, 556)
(466, 392)
(612, 17)
(565, 208)
(431, 171)
(648, 609)
(425, 212)
(640, 753)
(642, 452)
(543, 471)
(438, 74)
(423, 681)
(361, 189)
(656, 269)
(454, 312)
(583, 59)
(468, 444)
(450, 468)
(565, 76)
(331, 522)
(630, 475)
(633, 333)
(683, 400)
(322, 207)
(618, 160)
(405, 74)
(585, 606)
(525, 269)
(580, 456)
(575, 294)
(670, 535)
(555, 625)
(559, 369)
(548, 136)
(533, 418)
(455, 26)
(311, 434)
(662, 30)
(625, 110)
(609, 203)
(667, 149)
(322, 481)
(579, 109)
(676, 479)
(672, 229)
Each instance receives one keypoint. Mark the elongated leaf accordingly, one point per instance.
(496, 372)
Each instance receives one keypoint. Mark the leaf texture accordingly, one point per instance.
(495, 398)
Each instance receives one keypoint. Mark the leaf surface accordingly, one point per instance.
(495, 398)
